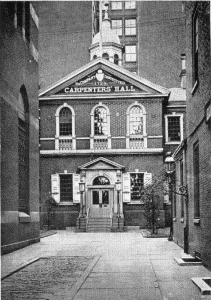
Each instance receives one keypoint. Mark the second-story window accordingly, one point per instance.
(130, 53)
(130, 4)
(65, 122)
(65, 128)
(100, 128)
(117, 26)
(100, 121)
(174, 128)
(115, 5)
(130, 27)
(195, 46)
(136, 127)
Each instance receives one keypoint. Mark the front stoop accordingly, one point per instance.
(204, 284)
(117, 224)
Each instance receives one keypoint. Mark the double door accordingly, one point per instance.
(101, 202)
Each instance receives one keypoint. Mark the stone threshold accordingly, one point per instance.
(204, 284)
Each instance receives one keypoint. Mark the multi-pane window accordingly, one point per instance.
(136, 120)
(130, 4)
(196, 180)
(195, 46)
(130, 53)
(100, 121)
(130, 27)
(115, 5)
(66, 188)
(65, 122)
(117, 26)
(173, 129)
(136, 185)
(105, 56)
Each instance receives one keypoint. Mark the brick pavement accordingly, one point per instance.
(125, 266)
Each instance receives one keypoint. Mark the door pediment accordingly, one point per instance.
(101, 164)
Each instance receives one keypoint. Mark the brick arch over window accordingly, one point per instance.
(136, 127)
(23, 151)
(100, 127)
(65, 138)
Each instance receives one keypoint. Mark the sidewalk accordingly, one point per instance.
(118, 266)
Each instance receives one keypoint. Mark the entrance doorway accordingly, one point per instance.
(101, 197)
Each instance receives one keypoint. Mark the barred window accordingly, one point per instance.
(196, 180)
(65, 122)
(130, 4)
(117, 26)
(115, 5)
(130, 53)
(136, 120)
(136, 183)
(174, 134)
(66, 188)
(23, 152)
(100, 121)
(195, 47)
(130, 27)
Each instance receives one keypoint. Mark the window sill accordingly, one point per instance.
(138, 202)
(173, 143)
(24, 218)
(194, 87)
(65, 204)
(196, 221)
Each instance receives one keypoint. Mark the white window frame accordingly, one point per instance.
(166, 128)
(143, 173)
(129, 29)
(130, 4)
(130, 54)
(144, 136)
(57, 136)
(116, 5)
(92, 136)
(118, 30)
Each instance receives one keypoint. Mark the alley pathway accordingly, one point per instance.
(101, 266)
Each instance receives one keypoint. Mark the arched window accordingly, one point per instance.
(136, 127)
(136, 120)
(23, 151)
(95, 56)
(101, 180)
(100, 121)
(105, 56)
(100, 128)
(65, 122)
(65, 138)
(116, 59)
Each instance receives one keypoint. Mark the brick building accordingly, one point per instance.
(103, 127)
(193, 157)
(152, 33)
(19, 125)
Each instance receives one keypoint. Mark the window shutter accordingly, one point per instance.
(147, 179)
(76, 192)
(126, 187)
(55, 187)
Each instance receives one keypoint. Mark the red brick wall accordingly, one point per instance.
(199, 234)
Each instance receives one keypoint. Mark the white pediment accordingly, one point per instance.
(101, 164)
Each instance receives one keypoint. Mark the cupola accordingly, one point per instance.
(111, 46)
